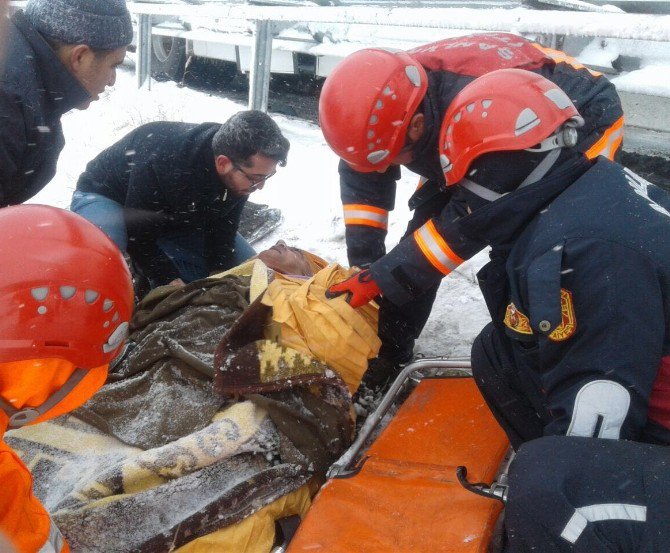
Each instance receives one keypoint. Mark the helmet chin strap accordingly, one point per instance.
(21, 417)
(542, 168)
(554, 144)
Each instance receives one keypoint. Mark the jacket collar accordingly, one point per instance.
(61, 87)
(500, 222)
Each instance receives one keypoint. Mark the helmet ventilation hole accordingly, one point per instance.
(67, 292)
(413, 75)
(40, 293)
(90, 296)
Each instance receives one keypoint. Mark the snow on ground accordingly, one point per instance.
(306, 190)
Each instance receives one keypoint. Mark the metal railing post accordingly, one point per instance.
(261, 58)
(143, 58)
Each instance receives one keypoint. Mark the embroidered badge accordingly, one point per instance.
(568, 324)
(516, 320)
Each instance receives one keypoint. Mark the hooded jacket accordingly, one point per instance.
(36, 89)
(420, 261)
(579, 284)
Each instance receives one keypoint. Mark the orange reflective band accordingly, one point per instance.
(562, 57)
(609, 143)
(435, 249)
(367, 215)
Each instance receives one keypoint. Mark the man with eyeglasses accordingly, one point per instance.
(171, 194)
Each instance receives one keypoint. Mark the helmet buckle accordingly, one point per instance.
(23, 417)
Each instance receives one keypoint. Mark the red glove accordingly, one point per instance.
(359, 288)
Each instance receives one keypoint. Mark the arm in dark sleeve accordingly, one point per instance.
(145, 208)
(599, 360)
(150, 260)
(220, 240)
(367, 199)
(146, 221)
(13, 142)
(426, 256)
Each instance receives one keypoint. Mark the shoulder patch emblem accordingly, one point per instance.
(516, 320)
(568, 324)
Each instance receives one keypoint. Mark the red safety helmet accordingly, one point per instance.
(508, 109)
(65, 288)
(366, 105)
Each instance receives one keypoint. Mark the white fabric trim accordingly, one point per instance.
(366, 215)
(604, 511)
(55, 541)
(600, 398)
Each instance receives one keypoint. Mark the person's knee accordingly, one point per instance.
(104, 213)
(533, 479)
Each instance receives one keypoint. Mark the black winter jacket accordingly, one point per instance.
(36, 89)
(406, 272)
(163, 173)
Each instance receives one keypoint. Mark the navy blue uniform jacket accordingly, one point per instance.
(405, 273)
(579, 282)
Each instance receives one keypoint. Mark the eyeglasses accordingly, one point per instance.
(254, 180)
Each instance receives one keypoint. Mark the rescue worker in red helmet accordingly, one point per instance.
(66, 299)
(379, 110)
(578, 288)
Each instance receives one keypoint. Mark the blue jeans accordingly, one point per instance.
(104, 213)
(186, 251)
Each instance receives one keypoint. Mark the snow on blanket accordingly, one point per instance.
(156, 459)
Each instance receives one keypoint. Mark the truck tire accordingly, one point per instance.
(168, 58)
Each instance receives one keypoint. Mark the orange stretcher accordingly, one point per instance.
(404, 495)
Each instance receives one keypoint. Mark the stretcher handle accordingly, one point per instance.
(345, 465)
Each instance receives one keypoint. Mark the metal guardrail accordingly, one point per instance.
(587, 24)
(606, 25)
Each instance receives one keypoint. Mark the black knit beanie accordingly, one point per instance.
(100, 24)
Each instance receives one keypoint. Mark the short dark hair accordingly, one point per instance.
(250, 132)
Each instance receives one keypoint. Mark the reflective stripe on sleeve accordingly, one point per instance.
(55, 542)
(360, 214)
(609, 142)
(595, 513)
(559, 57)
(600, 410)
(435, 249)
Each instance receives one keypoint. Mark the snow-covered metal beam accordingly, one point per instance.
(520, 20)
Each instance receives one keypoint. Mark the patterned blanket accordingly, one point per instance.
(156, 460)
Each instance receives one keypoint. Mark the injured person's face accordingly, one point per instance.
(286, 260)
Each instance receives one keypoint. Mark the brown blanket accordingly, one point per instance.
(156, 459)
